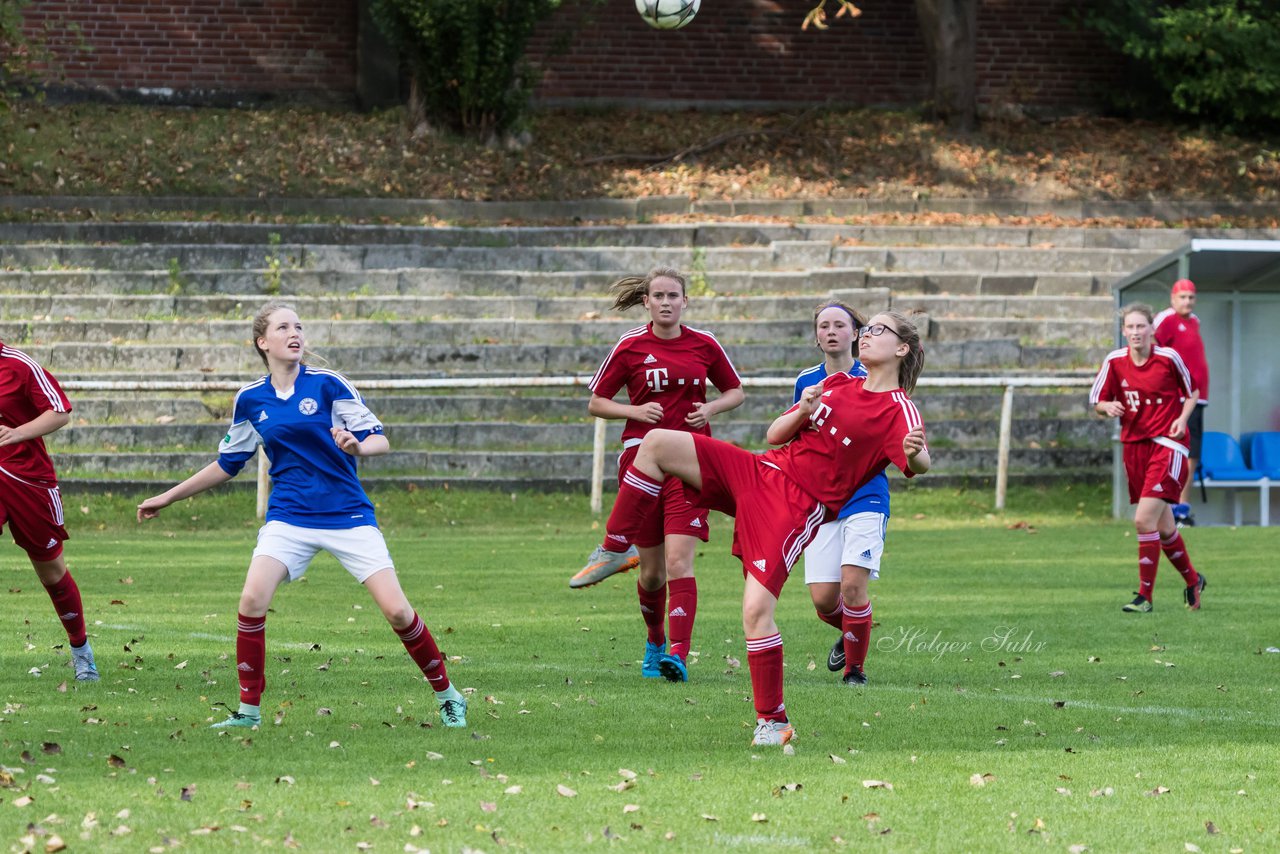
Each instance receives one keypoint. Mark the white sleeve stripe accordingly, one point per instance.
(909, 410)
(1181, 365)
(55, 400)
(1105, 371)
(339, 377)
(626, 336)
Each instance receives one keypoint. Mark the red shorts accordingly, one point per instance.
(774, 518)
(34, 516)
(1154, 471)
(679, 515)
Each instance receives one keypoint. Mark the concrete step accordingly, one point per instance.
(780, 255)
(603, 333)
(119, 307)
(407, 359)
(236, 290)
(670, 234)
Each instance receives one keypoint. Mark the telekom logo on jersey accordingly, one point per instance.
(656, 378)
(1133, 398)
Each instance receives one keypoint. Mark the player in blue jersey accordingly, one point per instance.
(312, 424)
(845, 555)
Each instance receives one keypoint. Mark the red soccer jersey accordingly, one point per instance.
(851, 437)
(1183, 335)
(1152, 393)
(27, 390)
(671, 371)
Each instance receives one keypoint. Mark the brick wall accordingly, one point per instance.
(745, 51)
(243, 46)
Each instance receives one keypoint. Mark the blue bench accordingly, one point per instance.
(1223, 466)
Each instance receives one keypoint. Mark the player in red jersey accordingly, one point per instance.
(1149, 389)
(839, 435)
(33, 405)
(665, 368)
(1179, 328)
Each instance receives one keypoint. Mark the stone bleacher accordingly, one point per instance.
(172, 302)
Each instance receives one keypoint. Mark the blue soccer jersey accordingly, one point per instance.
(314, 483)
(873, 497)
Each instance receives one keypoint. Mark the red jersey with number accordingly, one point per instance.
(673, 372)
(1152, 393)
(1183, 335)
(26, 391)
(851, 437)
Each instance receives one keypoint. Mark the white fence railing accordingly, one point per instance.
(1007, 383)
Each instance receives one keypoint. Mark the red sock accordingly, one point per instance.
(637, 498)
(251, 657)
(653, 605)
(764, 660)
(66, 602)
(424, 652)
(1148, 562)
(836, 618)
(682, 608)
(857, 636)
(1176, 551)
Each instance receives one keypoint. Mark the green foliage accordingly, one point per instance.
(1214, 60)
(466, 58)
(17, 51)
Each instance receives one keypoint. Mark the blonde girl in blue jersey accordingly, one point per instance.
(312, 424)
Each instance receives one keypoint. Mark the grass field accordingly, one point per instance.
(1012, 706)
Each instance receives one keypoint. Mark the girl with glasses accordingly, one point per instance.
(839, 434)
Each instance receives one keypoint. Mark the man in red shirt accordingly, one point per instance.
(33, 405)
(1179, 328)
(1149, 389)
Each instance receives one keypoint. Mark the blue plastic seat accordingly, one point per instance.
(1222, 459)
(1264, 454)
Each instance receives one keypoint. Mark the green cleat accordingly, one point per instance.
(1140, 605)
(238, 720)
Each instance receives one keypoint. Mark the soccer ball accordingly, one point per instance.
(667, 14)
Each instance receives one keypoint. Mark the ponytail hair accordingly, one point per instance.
(631, 290)
(912, 364)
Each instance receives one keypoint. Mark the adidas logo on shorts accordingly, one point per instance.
(866, 555)
(695, 524)
(758, 564)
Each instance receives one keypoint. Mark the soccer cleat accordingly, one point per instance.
(835, 658)
(604, 563)
(238, 720)
(453, 711)
(1192, 593)
(1182, 515)
(854, 676)
(653, 653)
(772, 732)
(82, 659)
(1140, 605)
(673, 669)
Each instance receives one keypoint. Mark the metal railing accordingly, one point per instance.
(1007, 383)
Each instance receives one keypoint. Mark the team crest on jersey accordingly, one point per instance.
(308, 406)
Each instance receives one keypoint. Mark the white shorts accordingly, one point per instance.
(857, 540)
(361, 551)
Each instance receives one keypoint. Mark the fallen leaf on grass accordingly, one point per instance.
(981, 779)
(565, 792)
(51, 748)
(116, 762)
(759, 817)
(709, 817)
(877, 784)
(630, 808)
(837, 760)
(1158, 790)
(25, 800)
(488, 806)
(513, 790)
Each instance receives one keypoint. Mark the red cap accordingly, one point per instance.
(1184, 286)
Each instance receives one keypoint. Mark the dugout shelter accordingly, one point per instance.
(1238, 303)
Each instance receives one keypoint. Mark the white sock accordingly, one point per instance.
(450, 693)
(251, 711)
